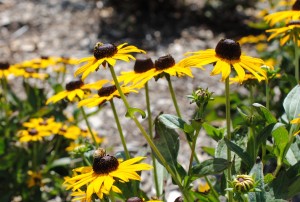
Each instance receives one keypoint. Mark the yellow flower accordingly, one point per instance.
(35, 179)
(41, 62)
(32, 73)
(79, 195)
(70, 132)
(226, 55)
(248, 77)
(106, 53)
(204, 187)
(73, 89)
(86, 133)
(106, 169)
(284, 16)
(106, 94)
(6, 69)
(289, 32)
(144, 70)
(32, 135)
(296, 121)
(252, 39)
(46, 124)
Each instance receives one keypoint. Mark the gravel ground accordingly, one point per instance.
(30, 29)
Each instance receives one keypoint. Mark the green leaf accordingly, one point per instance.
(293, 154)
(209, 167)
(215, 133)
(291, 103)
(2, 145)
(175, 122)
(209, 150)
(167, 142)
(265, 113)
(239, 151)
(281, 139)
(132, 110)
(258, 175)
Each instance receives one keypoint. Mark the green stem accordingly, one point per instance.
(296, 61)
(57, 145)
(173, 96)
(85, 160)
(120, 129)
(89, 126)
(228, 126)
(214, 192)
(34, 156)
(174, 175)
(151, 136)
(193, 151)
(267, 95)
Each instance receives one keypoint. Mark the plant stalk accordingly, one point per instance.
(120, 129)
(89, 126)
(228, 126)
(173, 96)
(151, 136)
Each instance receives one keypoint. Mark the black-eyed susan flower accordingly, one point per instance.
(34, 179)
(289, 32)
(105, 94)
(225, 56)
(32, 73)
(74, 89)
(106, 53)
(46, 124)
(101, 176)
(86, 134)
(32, 134)
(284, 16)
(6, 69)
(70, 132)
(204, 188)
(40, 63)
(145, 69)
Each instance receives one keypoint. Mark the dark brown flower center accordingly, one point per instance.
(104, 50)
(43, 57)
(74, 85)
(134, 199)
(63, 130)
(164, 62)
(293, 22)
(105, 164)
(240, 179)
(4, 65)
(143, 65)
(296, 6)
(106, 91)
(228, 49)
(33, 132)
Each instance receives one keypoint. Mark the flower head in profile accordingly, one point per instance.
(75, 88)
(225, 56)
(145, 69)
(105, 171)
(106, 94)
(40, 63)
(106, 54)
(32, 135)
(35, 179)
(289, 32)
(31, 73)
(284, 16)
(70, 132)
(7, 69)
(43, 124)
